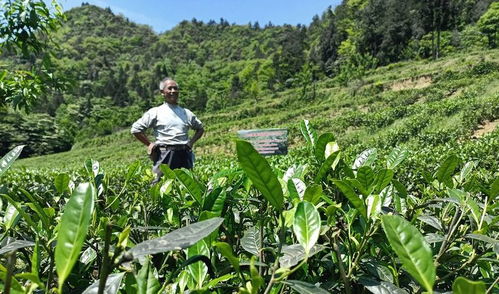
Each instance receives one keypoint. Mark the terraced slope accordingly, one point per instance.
(421, 105)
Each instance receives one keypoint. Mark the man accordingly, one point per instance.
(171, 124)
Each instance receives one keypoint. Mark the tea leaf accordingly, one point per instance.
(313, 194)
(365, 176)
(326, 166)
(432, 221)
(198, 270)
(320, 146)
(352, 197)
(251, 241)
(178, 239)
(307, 225)
(383, 178)
(494, 189)
(465, 286)
(412, 249)
(17, 244)
(190, 183)
(260, 173)
(295, 253)
(146, 280)
(396, 157)
(446, 169)
(9, 158)
(226, 251)
(305, 288)
(466, 171)
(296, 189)
(382, 287)
(61, 182)
(366, 158)
(482, 238)
(113, 283)
(308, 132)
(73, 229)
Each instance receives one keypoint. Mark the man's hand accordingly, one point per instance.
(150, 147)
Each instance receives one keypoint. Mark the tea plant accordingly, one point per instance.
(320, 221)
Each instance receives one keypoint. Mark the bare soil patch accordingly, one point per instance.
(413, 83)
(485, 128)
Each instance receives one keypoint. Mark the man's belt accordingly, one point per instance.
(173, 147)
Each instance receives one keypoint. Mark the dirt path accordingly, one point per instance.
(485, 128)
(418, 83)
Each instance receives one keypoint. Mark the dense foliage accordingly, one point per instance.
(315, 221)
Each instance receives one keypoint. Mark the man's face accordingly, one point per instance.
(170, 92)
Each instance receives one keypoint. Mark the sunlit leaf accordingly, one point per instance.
(381, 287)
(73, 229)
(16, 244)
(383, 178)
(466, 171)
(494, 189)
(178, 239)
(210, 199)
(219, 204)
(397, 156)
(308, 132)
(483, 238)
(373, 204)
(474, 209)
(432, 221)
(293, 254)
(411, 248)
(365, 176)
(296, 189)
(198, 270)
(251, 241)
(113, 283)
(305, 288)
(307, 225)
(88, 256)
(366, 158)
(9, 158)
(259, 171)
(132, 170)
(10, 217)
(320, 146)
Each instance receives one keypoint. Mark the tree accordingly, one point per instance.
(489, 23)
(25, 28)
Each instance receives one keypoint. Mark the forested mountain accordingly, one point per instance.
(115, 65)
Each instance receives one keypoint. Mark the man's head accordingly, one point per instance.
(169, 90)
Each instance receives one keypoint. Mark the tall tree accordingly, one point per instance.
(25, 28)
(489, 24)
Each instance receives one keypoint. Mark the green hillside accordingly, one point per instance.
(419, 104)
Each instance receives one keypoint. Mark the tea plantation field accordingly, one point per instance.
(390, 186)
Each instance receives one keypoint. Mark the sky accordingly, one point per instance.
(164, 15)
